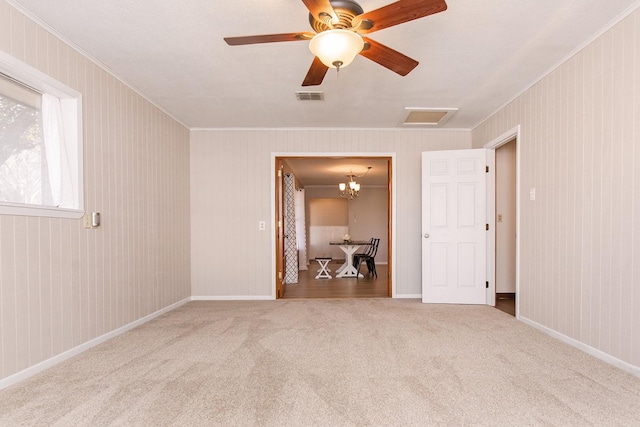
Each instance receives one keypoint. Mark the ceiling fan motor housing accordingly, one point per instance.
(346, 11)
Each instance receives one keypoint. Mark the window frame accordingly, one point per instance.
(71, 103)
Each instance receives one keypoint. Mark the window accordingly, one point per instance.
(23, 161)
(40, 144)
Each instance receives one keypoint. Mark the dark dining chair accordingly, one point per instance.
(369, 258)
(367, 251)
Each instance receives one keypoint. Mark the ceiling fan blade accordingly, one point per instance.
(398, 13)
(268, 38)
(388, 58)
(317, 7)
(316, 73)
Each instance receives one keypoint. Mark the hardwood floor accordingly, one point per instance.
(367, 287)
(506, 303)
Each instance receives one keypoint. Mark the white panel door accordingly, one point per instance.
(454, 226)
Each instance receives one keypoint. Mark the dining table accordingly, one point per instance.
(349, 247)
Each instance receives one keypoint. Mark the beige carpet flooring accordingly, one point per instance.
(353, 362)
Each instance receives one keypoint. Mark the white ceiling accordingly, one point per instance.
(331, 171)
(475, 56)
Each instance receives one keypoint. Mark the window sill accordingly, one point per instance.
(40, 211)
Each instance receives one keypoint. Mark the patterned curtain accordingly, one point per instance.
(290, 244)
(301, 229)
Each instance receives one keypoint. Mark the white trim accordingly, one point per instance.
(71, 103)
(391, 155)
(513, 133)
(35, 78)
(490, 209)
(334, 185)
(46, 364)
(39, 210)
(409, 296)
(233, 298)
(632, 369)
(504, 138)
(304, 129)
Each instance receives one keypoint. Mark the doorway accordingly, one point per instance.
(506, 227)
(320, 175)
(506, 221)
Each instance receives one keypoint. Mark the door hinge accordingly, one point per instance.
(279, 173)
(279, 224)
(487, 284)
(486, 226)
(487, 169)
(279, 275)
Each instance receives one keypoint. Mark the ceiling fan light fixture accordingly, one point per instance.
(336, 48)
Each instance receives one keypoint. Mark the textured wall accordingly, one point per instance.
(230, 193)
(62, 285)
(580, 238)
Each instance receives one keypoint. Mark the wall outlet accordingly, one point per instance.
(532, 194)
(262, 225)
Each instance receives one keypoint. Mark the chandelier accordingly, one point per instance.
(351, 189)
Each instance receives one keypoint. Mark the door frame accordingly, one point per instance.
(278, 224)
(510, 135)
(392, 207)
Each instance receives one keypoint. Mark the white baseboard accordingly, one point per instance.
(233, 298)
(635, 370)
(46, 364)
(411, 296)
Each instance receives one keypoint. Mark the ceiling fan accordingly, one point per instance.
(345, 20)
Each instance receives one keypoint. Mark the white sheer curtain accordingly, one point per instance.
(58, 160)
(301, 229)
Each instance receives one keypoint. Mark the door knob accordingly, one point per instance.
(426, 235)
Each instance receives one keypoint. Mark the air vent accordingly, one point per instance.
(426, 116)
(310, 96)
